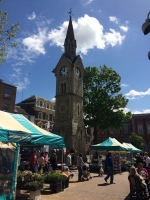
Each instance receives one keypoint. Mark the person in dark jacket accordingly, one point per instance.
(109, 165)
(53, 161)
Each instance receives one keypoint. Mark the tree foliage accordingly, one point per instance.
(103, 105)
(136, 141)
(6, 34)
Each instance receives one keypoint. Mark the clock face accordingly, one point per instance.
(78, 72)
(64, 71)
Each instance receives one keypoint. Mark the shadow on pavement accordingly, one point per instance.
(104, 184)
(128, 197)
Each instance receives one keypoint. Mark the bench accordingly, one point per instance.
(136, 188)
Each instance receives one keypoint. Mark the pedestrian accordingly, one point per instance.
(33, 162)
(147, 159)
(138, 159)
(53, 161)
(100, 165)
(109, 165)
(68, 159)
(80, 163)
(41, 163)
(73, 152)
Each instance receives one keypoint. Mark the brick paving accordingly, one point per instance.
(96, 188)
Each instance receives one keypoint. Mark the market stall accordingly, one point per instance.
(15, 128)
(111, 145)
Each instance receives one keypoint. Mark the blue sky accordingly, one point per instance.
(107, 32)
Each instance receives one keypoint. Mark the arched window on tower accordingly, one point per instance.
(78, 109)
(63, 88)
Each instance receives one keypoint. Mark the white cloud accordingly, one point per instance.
(124, 28)
(95, 35)
(19, 79)
(86, 2)
(124, 85)
(53, 99)
(114, 19)
(36, 41)
(141, 112)
(31, 46)
(32, 16)
(134, 93)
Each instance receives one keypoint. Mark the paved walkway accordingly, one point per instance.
(94, 189)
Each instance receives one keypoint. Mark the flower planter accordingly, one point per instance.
(67, 183)
(35, 195)
(55, 187)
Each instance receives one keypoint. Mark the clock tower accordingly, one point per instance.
(69, 73)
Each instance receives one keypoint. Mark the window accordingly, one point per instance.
(40, 103)
(148, 128)
(44, 105)
(53, 118)
(125, 128)
(47, 117)
(140, 129)
(47, 106)
(7, 93)
(69, 47)
(63, 88)
(40, 116)
(78, 109)
(37, 102)
(6, 107)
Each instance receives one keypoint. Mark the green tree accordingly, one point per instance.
(6, 34)
(136, 141)
(103, 105)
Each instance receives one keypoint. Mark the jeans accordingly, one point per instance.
(34, 168)
(110, 174)
(79, 173)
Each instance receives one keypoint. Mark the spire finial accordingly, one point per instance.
(70, 12)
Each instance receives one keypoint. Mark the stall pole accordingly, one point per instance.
(16, 163)
(62, 159)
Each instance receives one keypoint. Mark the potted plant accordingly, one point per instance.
(35, 189)
(55, 180)
(65, 180)
(34, 185)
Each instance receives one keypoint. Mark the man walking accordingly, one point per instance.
(80, 163)
(109, 165)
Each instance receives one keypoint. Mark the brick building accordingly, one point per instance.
(139, 124)
(43, 110)
(7, 97)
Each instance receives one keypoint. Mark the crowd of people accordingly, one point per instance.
(42, 163)
(141, 171)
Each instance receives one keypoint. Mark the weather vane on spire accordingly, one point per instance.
(70, 12)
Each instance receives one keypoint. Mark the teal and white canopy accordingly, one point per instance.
(109, 145)
(16, 128)
(132, 148)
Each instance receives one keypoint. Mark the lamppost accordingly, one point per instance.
(146, 29)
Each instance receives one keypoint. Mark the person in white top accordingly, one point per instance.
(147, 160)
(100, 165)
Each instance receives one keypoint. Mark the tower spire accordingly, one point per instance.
(70, 42)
